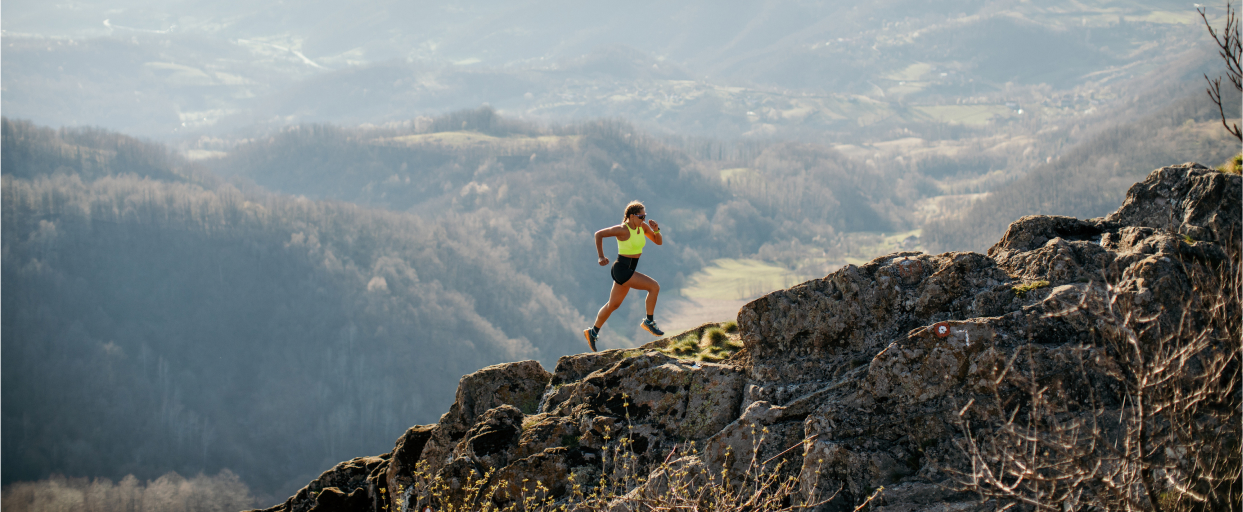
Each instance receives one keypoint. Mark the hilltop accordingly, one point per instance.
(900, 373)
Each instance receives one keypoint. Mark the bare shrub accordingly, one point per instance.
(620, 484)
(1149, 422)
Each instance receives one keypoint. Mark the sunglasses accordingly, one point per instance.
(641, 217)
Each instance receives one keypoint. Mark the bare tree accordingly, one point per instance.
(1230, 50)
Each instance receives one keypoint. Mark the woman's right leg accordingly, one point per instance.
(616, 296)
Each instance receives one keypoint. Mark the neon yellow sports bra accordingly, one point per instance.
(635, 244)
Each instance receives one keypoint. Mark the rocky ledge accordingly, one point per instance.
(867, 368)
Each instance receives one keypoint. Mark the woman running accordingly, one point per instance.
(631, 236)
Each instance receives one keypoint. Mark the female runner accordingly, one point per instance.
(631, 236)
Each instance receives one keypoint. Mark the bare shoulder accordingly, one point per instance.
(619, 231)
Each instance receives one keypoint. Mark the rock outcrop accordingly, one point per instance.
(854, 381)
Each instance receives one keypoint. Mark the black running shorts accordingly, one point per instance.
(623, 269)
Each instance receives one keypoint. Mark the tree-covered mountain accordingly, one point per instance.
(156, 325)
(479, 164)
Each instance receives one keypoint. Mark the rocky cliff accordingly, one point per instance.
(855, 382)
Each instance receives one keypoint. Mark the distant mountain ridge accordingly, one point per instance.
(176, 70)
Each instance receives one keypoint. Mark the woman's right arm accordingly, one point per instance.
(600, 236)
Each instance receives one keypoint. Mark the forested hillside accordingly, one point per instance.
(154, 325)
(477, 164)
(28, 151)
(472, 160)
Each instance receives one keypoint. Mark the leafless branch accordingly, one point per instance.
(1230, 49)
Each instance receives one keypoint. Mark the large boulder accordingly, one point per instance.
(350, 486)
(933, 335)
(519, 385)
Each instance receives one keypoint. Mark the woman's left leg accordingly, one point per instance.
(616, 295)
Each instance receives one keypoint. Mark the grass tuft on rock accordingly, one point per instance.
(714, 337)
(1232, 166)
(709, 343)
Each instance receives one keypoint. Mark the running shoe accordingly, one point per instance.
(591, 338)
(650, 325)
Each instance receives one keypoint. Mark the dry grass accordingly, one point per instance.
(1158, 429)
(1232, 166)
(681, 482)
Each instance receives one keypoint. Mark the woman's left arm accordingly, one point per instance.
(653, 232)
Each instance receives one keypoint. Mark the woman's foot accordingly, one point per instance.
(591, 334)
(650, 325)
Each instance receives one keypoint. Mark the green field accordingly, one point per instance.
(867, 246)
(738, 279)
(916, 71)
(739, 173)
(465, 139)
(965, 114)
(744, 279)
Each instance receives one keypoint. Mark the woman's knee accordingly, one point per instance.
(613, 304)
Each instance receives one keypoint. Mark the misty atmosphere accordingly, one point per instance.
(244, 241)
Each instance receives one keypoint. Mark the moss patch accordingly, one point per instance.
(1021, 290)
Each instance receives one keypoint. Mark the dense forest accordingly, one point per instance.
(156, 325)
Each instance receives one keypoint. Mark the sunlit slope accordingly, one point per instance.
(738, 279)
